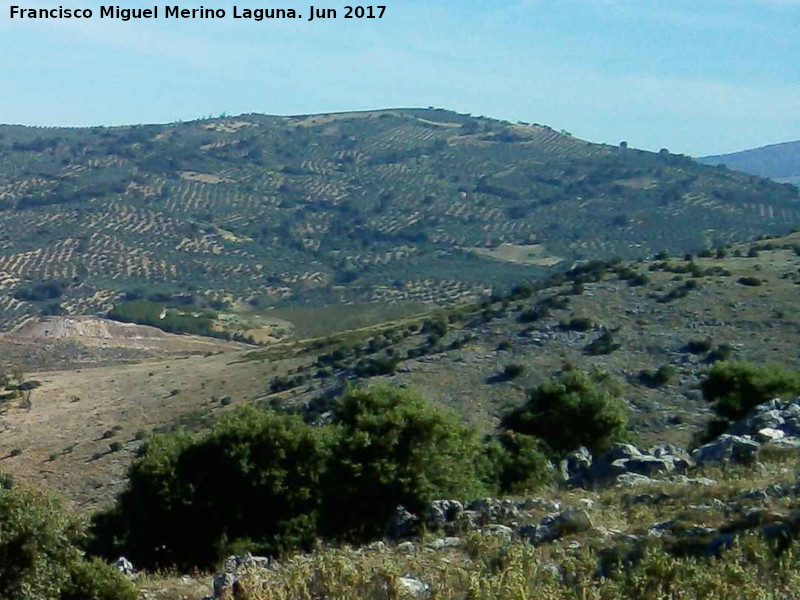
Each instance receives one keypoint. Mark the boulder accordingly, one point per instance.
(554, 527)
(447, 542)
(441, 512)
(575, 462)
(629, 461)
(411, 587)
(124, 566)
(633, 480)
(727, 448)
(498, 530)
(222, 583)
(402, 524)
(769, 435)
(406, 547)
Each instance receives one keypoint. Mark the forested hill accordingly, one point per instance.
(394, 205)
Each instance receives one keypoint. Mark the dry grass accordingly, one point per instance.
(491, 567)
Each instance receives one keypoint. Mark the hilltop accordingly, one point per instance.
(780, 162)
(220, 218)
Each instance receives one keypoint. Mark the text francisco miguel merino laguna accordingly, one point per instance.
(176, 12)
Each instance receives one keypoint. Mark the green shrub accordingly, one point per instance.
(603, 345)
(720, 353)
(519, 462)
(269, 483)
(577, 324)
(40, 557)
(735, 388)
(531, 315)
(576, 409)
(658, 378)
(749, 281)
(698, 346)
(254, 475)
(513, 371)
(395, 448)
(97, 580)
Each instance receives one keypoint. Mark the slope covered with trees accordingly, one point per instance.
(394, 205)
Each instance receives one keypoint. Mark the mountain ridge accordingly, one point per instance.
(780, 162)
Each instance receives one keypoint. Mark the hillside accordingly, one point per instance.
(395, 206)
(630, 319)
(780, 162)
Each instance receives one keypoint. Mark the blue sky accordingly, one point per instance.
(697, 77)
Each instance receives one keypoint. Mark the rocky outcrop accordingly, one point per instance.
(557, 526)
(775, 423)
(727, 448)
(402, 525)
(124, 566)
(625, 464)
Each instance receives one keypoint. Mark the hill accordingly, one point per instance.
(780, 162)
(657, 325)
(220, 217)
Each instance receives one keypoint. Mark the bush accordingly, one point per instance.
(97, 580)
(513, 371)
(577, 324)
(735, 388)
(269, 483)
(40, 557)
(577, 409)
(749, 281)
(395, 448)
(698, 346)
(603, 345)
(254, 476)
(50, 290)
(531, 315)
(519, 462)
(720, 353)
(658, 378)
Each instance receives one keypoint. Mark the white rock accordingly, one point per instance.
(412, 587)
(499, 530)
(769, 435)
(406, 547)
(447, 542)
(124, 566)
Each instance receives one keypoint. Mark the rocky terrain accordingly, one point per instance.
(742, 486)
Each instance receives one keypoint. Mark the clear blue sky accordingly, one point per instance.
(697, 77)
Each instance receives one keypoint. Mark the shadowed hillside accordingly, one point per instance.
(780, 162)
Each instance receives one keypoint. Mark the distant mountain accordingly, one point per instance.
(780, 162)
(392, 205)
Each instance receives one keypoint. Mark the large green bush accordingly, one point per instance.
(396, 448)
(735, 388)
(40, 557)
(576, 409)
(519, 462)
(270, 483)
(255, 477)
